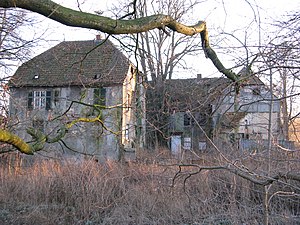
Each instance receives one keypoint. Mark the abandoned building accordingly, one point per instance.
(71, 84)
(92, 89)
(200, 109)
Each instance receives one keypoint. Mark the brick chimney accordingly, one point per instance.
(98, 39)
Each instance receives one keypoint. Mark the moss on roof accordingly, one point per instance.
(88, 63)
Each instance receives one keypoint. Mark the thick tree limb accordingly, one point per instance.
(40, 139)
(16, 141)
(107, 25)
(247, 175)
(75, 18)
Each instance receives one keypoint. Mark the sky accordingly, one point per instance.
(240, 18)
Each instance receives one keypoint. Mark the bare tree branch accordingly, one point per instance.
(107, 25)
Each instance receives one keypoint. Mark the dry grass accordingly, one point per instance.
(85, 192)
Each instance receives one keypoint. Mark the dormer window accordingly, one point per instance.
(97, 76)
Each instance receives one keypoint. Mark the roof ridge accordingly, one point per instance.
(61, 64)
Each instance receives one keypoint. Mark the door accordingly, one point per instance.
(176, 144)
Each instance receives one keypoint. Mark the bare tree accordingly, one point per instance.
(14, 48)
(281, 54)
(162, 53)
(113, 26)
(260, 169)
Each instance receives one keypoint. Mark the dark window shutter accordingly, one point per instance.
(103, 96)
(56, 96)
(30, 100)
(100, 96)
(96, 96)
(48, 100)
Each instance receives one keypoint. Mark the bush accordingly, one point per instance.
(87, 192)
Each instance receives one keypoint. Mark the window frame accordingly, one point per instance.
(39, 99)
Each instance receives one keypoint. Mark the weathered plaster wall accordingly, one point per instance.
(88, 138)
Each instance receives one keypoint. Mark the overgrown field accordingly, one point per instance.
(53, 192)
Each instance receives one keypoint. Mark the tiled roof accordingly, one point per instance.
(192, 94)
(74, 63)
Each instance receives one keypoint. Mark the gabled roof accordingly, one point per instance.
(194, 93)
(88, 63)
(248, 78)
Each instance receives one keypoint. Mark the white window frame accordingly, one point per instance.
(187, 143)
(39, 99)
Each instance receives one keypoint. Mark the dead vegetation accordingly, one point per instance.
(86, 192)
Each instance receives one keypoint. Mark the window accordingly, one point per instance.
(187, 143)
(56, 97)
(39, 100)
(100, 96)
(186, 120)
(202, 145)
(127, 132)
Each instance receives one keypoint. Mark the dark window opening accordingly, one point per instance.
(186, 120)
(48, 100)
(30, 100)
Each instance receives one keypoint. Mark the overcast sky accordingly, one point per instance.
(238, 17)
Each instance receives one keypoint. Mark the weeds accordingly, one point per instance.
(86, 192)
